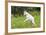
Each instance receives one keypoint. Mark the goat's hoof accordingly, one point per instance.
(33, 25)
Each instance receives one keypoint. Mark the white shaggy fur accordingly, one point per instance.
(28, 17)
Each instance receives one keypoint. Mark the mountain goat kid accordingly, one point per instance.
(29, 17)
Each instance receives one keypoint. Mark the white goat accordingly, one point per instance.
(29, 17)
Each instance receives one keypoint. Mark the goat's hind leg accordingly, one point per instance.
(33, 23)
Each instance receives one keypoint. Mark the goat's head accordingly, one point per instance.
(25, 13)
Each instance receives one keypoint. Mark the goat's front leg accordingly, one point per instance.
(25, 20)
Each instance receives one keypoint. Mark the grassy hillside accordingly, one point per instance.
(18, 22)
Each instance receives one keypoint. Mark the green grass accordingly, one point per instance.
(18, 22)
